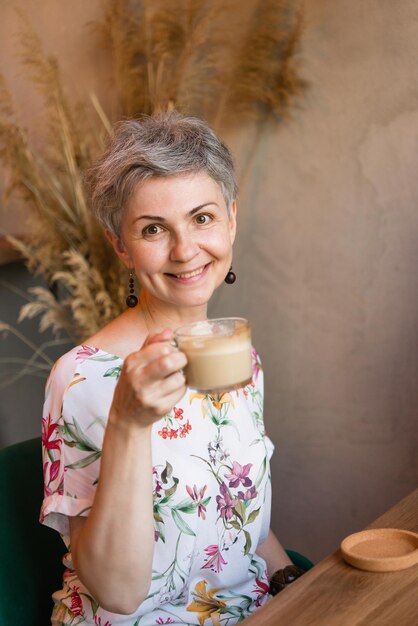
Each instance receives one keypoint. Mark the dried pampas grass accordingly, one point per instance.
(66, 246)
(222, 60)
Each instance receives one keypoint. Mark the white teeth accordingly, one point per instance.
(189, 274)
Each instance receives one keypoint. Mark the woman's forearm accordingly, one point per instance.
(273, 553)
(113, 548)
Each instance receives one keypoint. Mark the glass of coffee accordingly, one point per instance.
(218, 353)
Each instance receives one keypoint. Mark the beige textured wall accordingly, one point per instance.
(327, 258)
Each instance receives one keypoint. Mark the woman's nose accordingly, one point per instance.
(184, 248)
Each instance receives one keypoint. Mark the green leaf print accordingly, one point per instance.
(187, 502)
(84, 462)
(169, 492)
(181, 524)
(241, 511)
(227, 422)
(236, 611)
(252, 516)
(160, 529)
(113, 372)
(167, 472)
(77, 437)
(235, 524)
(247, 546)
(261, 473)
(94, 604)
(102, 421)
(257, 568)
(186, 509)
(103, 359)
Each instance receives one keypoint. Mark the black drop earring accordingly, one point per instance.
(131, 300)
(231, 277)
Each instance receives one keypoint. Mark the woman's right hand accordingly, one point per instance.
(150, 383)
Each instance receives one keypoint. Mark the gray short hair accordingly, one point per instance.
(164, 144)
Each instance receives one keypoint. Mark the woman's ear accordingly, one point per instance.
(118, 247)
(233, 220)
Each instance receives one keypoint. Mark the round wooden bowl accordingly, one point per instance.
(381, 549)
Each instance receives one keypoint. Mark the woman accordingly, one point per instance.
(162, 494)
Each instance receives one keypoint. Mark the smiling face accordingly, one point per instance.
(177, 235)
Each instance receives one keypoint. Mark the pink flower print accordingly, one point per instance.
(173, 433)
(255, 363)
(167, 621)
(164, 432)
(198, 498)
(239, 475)
(54, 471)
(47, 492)
(248, 495)
(45, 467)
(178, 414)
(214, 561)
(261, 589)
(85, 352)
(157, 482)
(225, 503)
(76, 603)
(186, 428)
(168, 433)
(53, 474)
(98, 621)
(48, 430)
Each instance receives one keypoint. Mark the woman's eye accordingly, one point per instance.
(151, 230)
(203, 218)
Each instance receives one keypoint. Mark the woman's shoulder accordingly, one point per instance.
(65, 365)
(85, 364)
(74, 363)
(60, 376)
(120, 337)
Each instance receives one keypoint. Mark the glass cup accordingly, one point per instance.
(218, 353)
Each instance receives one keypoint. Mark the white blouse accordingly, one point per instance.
(211, 494)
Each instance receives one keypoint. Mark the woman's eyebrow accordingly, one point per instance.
(159, 218)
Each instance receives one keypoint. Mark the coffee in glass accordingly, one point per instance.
(218, 353)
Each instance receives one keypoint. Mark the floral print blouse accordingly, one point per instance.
(211, 494)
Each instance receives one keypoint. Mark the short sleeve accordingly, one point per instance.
(76, 406)
(265, 526)
(269, 446)
(258, 381)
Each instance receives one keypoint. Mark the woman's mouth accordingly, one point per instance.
(192, 276)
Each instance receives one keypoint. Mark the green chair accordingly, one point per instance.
(30, 554)
(300, 560)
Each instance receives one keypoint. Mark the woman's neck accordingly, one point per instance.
(158, 315)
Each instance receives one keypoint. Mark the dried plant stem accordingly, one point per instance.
(101, 114)
(31, 366)
(28, 342)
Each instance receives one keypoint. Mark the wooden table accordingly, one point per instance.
(335, 594)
